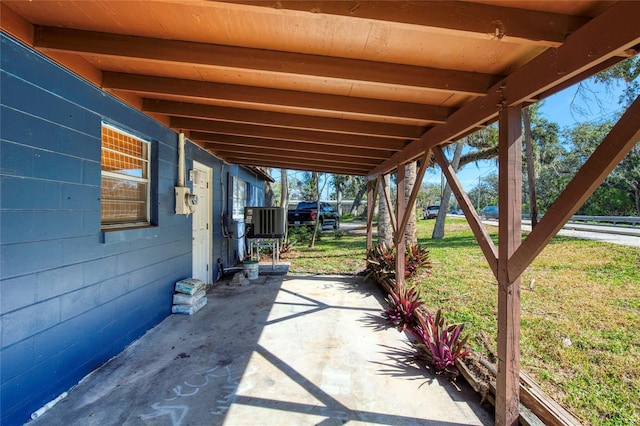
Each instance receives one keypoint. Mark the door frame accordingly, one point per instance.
(208, 206)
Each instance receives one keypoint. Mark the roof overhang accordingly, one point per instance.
(339, 87)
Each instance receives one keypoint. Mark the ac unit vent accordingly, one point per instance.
(265, 222)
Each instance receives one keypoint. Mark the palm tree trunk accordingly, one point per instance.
(385, 231)
(438, 228)
(357, 200)
(410, 232)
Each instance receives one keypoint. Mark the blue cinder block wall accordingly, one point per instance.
(71, 296)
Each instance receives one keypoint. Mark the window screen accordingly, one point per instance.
(125, 179)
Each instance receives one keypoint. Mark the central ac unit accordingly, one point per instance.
(265, 222)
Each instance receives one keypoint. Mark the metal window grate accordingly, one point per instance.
(125, 179)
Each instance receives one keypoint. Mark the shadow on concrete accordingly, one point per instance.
(286, 350)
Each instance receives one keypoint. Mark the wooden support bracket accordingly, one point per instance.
(479, 231)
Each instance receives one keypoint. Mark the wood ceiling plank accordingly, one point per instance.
(191, 89)
(304, 165)
(233, 150)
(299, 135)
(583, 50)
(454, 18)
(203, 54)
(299, 121)
(287, 146)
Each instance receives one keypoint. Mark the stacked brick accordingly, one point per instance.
(189, 297)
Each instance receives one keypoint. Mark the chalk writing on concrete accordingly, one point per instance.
(176, 412)
(223, 376)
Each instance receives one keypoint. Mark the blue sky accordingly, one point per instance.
(556, 108)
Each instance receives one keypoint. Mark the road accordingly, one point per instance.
(622, 235)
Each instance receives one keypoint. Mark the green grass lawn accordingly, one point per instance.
(580, 335)
(336, 252)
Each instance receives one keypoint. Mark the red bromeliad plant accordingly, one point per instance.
(442, 343)
(381, 262)
(403, 306)
(415, 258)
(438, 343)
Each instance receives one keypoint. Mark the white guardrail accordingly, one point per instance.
(633, 221)
(606, 220)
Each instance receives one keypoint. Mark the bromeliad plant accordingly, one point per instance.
(403, 306)
(443, 342)
(381, 263)
(415, 258)
(438, 343)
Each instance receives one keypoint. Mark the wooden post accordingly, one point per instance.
(399, 233)
(411, 203)
(531, 172)
(509, 235)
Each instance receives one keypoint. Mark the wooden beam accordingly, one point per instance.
(401, 210)
(536, 408)
(16, 25)
(270, 152)
(424, 164)
(583, 50)
(289, 146)
(372, 194)
(479, 231)
(615, 146)
(387, 199)
(531, 176)
(509, 236)
(278, 62)
(460, 19)
(299, 135)
(304, 101)
(297, 121)
(582, 76)
(319, 166)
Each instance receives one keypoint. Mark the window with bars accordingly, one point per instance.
(125, 187)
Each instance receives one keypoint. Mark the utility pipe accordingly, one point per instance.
(48, 405)
(181, 159)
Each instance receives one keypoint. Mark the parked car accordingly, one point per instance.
(489, 212)
(305, 215)
(430, 212)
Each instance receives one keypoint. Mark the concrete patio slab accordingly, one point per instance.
(284, 350)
